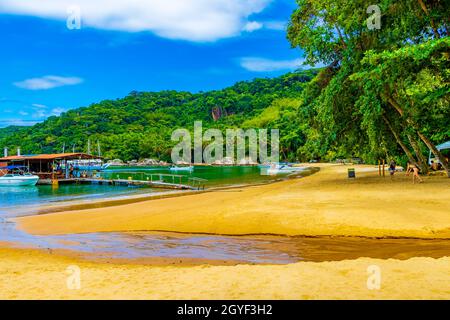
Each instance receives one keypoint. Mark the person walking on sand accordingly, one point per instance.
(416, 171)
(409, 168)
(392, 167)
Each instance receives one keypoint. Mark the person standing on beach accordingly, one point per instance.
(392, 167)
(409, 168)
(416, 170)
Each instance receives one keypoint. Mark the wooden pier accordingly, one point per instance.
(151, 181)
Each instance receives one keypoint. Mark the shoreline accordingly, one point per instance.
(130, 199)
(322, 204)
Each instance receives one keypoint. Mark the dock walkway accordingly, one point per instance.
(125, 182)
(153, 181)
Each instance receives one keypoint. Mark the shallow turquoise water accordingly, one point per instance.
(22, 199)
(215, 176)
(27, 200)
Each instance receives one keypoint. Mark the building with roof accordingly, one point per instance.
(47, 166)
(444, 148)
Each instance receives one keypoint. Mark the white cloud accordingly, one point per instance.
(268, 65)
(252, 26)
(256, 64)
(193, 20)
(16, 122)
(39, 114)
(40, 106)
(41, 111)
(275, 25)
(267, 25)
(47, 82)
(57, 111)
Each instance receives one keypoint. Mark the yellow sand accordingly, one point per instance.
(326, 203)
(27, 274)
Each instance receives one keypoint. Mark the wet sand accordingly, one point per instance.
(156, 249)
(326, 203)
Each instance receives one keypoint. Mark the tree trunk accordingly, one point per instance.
(341, 37)
(422, 161)
(394, 103)
(399, 141)
(422, 137)
(436, 152)
(433, 25)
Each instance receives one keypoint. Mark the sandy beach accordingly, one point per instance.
(326, 203)
(29, 274)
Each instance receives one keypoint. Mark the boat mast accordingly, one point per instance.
(99, 150)
(89, 146)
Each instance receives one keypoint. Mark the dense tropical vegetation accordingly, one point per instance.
(8, 131)
(384, 94)
(140, 125)
(385, 91)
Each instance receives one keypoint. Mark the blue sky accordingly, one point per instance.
(150, 45)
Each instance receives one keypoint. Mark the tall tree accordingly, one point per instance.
(400, 70)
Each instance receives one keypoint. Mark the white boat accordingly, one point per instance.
(88, 165)
(177, 169)
(280, 169)
(18, 177)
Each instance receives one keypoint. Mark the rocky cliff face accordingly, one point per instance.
(218, 113)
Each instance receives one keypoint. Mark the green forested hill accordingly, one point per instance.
(140, 125)
(5, 132)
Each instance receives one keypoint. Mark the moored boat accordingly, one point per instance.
(280, 169)
(88, 165)
(17, 176)
(177, 169)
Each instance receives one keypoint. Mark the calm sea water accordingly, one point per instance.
(28, 200)
(215, 176)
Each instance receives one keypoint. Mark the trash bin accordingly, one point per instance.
(351, 173)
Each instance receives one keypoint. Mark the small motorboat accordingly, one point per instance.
(280, 169)
(17, 176)
(88, 165)
(182, 169)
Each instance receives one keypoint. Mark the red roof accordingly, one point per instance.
(11, 158)
(55, 156)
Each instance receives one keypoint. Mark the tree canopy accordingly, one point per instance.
(385, 92)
